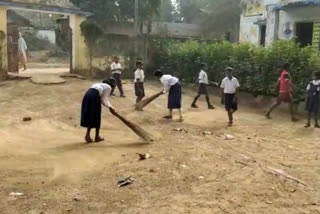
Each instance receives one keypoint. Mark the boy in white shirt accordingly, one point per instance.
(172, 85)
(229, 86)
(138, 82)
(202, 90)
(116, 70)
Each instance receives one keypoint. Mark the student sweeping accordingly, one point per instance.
(138, 82)
(202, 89)
(285, 92)
(91, 107)
(229, 86)
(313, 99)
(172, 85)
(116, 70)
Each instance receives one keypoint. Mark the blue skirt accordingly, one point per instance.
(202, 89)
(231, 102)
(91, 109)
(174, 98)
(313, 104)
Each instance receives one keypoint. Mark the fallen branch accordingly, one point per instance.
(286, 175)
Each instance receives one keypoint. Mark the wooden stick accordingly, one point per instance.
(135, 128)
(143, 103)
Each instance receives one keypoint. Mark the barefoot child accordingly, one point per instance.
(171, 84)
(285, 92)
(202, 90)
(313, 99)
(138, 82)
(116, 70)
(91, 107)
(229, 86)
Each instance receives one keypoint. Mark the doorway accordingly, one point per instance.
(304, 33)
(263, 29)
(48, 38)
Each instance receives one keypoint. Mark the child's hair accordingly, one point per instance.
(317, 74)
(110, 81)
(158, 73)
(203, 65)
(286, 65)
(139, 62)
(229, 69)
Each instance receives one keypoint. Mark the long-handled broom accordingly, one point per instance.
(135, 128)
(143, 103)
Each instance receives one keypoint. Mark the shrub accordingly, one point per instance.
(257, 68)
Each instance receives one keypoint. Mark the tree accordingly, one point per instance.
(166, 11)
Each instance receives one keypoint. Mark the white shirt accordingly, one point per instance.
(230, 86)
(315, 82)
(203, 77)
(168, 81)
(139, 74)
(116, 68)
(104, 92)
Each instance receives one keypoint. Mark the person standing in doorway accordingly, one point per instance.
(285, 92)
(22, 49)
(229, 86)
(138, 82)
(116, 70)
(202, 90)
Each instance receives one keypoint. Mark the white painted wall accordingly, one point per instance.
(249, 32)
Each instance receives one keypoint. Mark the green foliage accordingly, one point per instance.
(257, 68)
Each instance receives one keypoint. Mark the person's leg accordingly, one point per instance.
(316, 122)
(180, 115)
(193, 105)
(230, 116)
(88, 137)
(291, 107)
(308, 119)
(169, 116)
(208, 102)
(98, 138)
(119, 84)
(275, 105)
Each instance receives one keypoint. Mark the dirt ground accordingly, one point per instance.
(47, 160)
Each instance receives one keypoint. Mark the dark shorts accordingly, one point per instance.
(91, 109)
(139, 89)
(174, 98)
(202, 89)
(231, 102)
(285, 97)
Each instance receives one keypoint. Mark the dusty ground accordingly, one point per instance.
(189, 173)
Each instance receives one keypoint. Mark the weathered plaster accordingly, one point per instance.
(3, 41)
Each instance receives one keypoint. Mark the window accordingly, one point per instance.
(304, 33)
(263, 29)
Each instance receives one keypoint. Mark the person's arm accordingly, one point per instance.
(222, 91)
(105, 100)
(237, 85)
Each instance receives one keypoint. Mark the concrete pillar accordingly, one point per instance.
(3, 44)
(80, 51)
(272, 25)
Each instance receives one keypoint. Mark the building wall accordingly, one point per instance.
(249, 32)
(3, 44)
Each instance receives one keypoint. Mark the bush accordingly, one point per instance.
(257, 68)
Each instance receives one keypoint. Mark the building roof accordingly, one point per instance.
(52, 6)
(305, 3)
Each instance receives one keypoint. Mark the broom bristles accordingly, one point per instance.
(135, 128)
(143, 103)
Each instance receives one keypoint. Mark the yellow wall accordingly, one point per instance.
(316, 38)
(3, 44)
(80, 51)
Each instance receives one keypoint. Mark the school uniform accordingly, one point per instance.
(313, 96)
(96, 96)
(172, 85)
(116, 74)
(139, 83)
(203, 82)
(229, 89)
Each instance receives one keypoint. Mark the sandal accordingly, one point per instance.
(88, 139)
(317, 126)
(180, 119)
(307, 125)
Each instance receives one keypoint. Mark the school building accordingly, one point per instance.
(264, 21)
